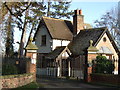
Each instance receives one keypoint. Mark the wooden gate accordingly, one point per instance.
(64, 67)
(78, 67)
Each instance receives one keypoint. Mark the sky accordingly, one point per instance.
(91, 11)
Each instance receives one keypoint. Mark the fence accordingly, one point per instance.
(20, 63)
(47, 72)
(77, 73)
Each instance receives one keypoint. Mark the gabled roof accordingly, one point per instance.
(80, 43)
(112, 41)
(55, 53)
(58, 29)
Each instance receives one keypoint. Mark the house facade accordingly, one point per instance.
(102, 44)
(69, 47)
(49, 38)
(48, 35)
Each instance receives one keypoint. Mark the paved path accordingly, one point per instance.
(63, 83)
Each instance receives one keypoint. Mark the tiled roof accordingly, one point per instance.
(55, 53)
(59, 29)
(80, 43)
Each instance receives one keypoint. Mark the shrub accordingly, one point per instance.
(8, 69)
(103, 65)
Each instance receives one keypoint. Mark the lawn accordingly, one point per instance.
(30, 86)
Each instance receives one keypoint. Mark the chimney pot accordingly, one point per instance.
(80, 12)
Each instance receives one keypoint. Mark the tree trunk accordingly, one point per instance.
(23, 37)
(48, 10)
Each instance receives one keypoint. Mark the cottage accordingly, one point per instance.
(90, 43)
(68, 47)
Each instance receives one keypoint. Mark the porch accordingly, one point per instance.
(70, 67)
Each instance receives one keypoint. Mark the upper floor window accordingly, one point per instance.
(43, 40)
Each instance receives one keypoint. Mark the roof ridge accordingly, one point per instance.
(54, 18)
(95, 28)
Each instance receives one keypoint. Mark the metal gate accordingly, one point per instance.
(78, 67)
(47, 72)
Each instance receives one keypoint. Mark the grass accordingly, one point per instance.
(30, 86)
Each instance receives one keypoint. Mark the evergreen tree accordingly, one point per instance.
(59, 9)
(9, 38)
(103, 65)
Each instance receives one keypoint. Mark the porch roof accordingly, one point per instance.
(55, 53)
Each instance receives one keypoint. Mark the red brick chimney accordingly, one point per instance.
(78, 21)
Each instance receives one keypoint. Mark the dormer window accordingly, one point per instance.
(43, 40)
(104, 39)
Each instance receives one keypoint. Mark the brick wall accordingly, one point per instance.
(89, 69)
(14, 81)
(91, 57)
(105, 78)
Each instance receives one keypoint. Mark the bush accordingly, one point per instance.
(8, 69)
(103, 65)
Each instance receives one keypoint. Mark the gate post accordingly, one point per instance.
(92, 53)
(31, 52)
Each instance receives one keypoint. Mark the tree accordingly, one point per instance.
(111, 21)
(50, 9)
(21, 22)
(9, 37)
(28, 14)
(103, 65)
(37, 10)
(56, 9)
(7, 30)
(22, 13)
(59, 9)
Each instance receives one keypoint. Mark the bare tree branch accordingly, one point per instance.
(18, 13)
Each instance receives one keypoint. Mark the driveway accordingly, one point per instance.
(68, 84)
